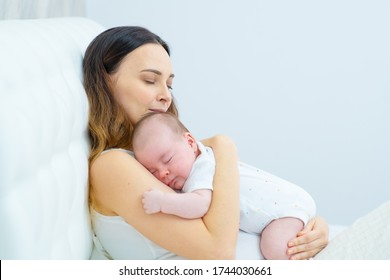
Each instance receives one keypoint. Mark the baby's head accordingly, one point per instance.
(165, 147)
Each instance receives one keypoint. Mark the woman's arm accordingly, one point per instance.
(311, 240)
(226, 193)
(119, 181)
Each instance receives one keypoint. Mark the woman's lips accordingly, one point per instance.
(157, 110)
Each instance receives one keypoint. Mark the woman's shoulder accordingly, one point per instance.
(110, 174)
(116, 151)
(112, 160)
(110, 157)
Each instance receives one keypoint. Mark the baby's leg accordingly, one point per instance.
(274, 238)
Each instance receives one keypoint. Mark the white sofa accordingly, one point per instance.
(43, 139)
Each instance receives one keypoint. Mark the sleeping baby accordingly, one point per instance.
(269, 206)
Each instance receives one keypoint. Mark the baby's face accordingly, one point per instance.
(169, 158)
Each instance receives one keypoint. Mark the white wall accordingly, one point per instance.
(303, 87)
(30, 9)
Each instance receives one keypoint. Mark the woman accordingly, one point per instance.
(127, 73)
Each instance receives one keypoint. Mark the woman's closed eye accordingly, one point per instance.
(152, 82)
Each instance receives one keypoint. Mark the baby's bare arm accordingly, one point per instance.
(186, 205)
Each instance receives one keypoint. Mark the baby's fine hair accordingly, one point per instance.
(164, 118)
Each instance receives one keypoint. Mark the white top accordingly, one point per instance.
(116, 239)
(202, 172)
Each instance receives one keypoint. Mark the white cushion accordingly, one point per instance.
(43, 139)
(367, 239)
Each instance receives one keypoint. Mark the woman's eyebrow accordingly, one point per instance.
(157, 72)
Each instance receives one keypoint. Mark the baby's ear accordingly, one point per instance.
(191, 141)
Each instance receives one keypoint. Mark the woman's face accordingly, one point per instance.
(143, 81)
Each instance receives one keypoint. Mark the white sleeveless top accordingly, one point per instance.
(115, 239)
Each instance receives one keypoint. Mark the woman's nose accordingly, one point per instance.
(165, 95)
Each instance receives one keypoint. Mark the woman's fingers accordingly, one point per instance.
(312, 239)
(306, 250)
(303, 255)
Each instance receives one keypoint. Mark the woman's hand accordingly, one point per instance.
(311, 240)
(222, 142)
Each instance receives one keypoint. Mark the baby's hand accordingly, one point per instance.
(152, 201)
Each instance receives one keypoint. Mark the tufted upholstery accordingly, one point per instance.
(43, 141)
